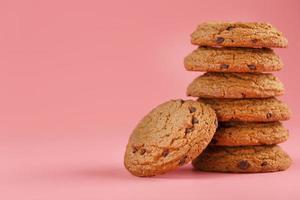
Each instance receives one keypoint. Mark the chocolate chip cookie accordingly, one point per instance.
(250, 159)
(249, 134)
(252, 110)
(232, 60)
(170, 136)
(238, 34)
(235, 85)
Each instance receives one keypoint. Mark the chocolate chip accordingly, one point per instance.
(219, 40)
(243, 164)
(195, 120)
(214, 141)
(264, 163)
(165, 153)
(229, 28)
(254, 40)
(182, 161)
(269, 115)
(188, 130)
(224, 66)
(243, 95)
(134, 149)
(142, 151)
(252, 67)
(192, 109)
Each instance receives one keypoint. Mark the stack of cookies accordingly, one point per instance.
(237, 59)
(234, 125)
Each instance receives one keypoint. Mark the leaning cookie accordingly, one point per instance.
(171, 135)
(207, 59)
(251, 110)
(235, 85)
(250, 159)
(238, 34)
(249, 134)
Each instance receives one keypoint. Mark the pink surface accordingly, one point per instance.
(77, 76)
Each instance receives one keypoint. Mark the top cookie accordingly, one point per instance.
(238, 34)
(171, 135)
(232, 59)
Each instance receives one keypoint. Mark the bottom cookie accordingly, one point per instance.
(248, 159)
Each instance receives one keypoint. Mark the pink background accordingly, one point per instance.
(76, 77)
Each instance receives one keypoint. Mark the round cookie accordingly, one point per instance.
(250, 159)
(171, 135)
(235, 85)
(238, 34)
(251, 110)
(232, 60)
(249, 134)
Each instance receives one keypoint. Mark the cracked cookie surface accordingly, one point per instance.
(232, 60)
(248, 159)
(255, 110)
(249, 134)
(170, 136)
(238, 34)
(235, 85)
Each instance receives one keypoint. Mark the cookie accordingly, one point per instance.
(238, 34)
(250, 159)
(255, 110)
(171, 135)
(249, 134)
(235, 85)
(232, 60)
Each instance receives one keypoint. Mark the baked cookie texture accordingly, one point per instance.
(238, 34)
(235, 85)
(250, 159)
(171, 135)
(232, 60)
(251, 110)
(249, 134)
